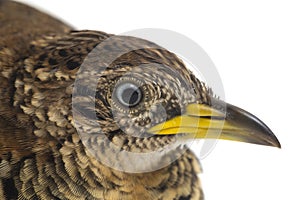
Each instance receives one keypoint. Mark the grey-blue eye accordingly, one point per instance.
(128, 94)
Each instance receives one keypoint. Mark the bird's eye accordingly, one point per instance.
(128, 94)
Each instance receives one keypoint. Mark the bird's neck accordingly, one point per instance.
(179, 179)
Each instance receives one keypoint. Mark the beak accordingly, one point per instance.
(207, 122)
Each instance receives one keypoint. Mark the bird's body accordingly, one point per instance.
(42, 156)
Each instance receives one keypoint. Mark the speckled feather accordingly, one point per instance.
(41, 153)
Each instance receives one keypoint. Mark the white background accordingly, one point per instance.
(256, 48)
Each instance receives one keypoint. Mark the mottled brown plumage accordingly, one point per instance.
(42, 155)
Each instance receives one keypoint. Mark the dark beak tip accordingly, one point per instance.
(273, 142)
(262, 133)
(273, 139)
(277, 144)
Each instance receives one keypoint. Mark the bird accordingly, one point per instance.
(71, 121)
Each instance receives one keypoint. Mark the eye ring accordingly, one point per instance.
(128, 94)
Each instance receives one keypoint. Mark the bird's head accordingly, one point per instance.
(140, 98)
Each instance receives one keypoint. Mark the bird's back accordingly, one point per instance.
(19, 26)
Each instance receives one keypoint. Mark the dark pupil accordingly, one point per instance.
(130, 96)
